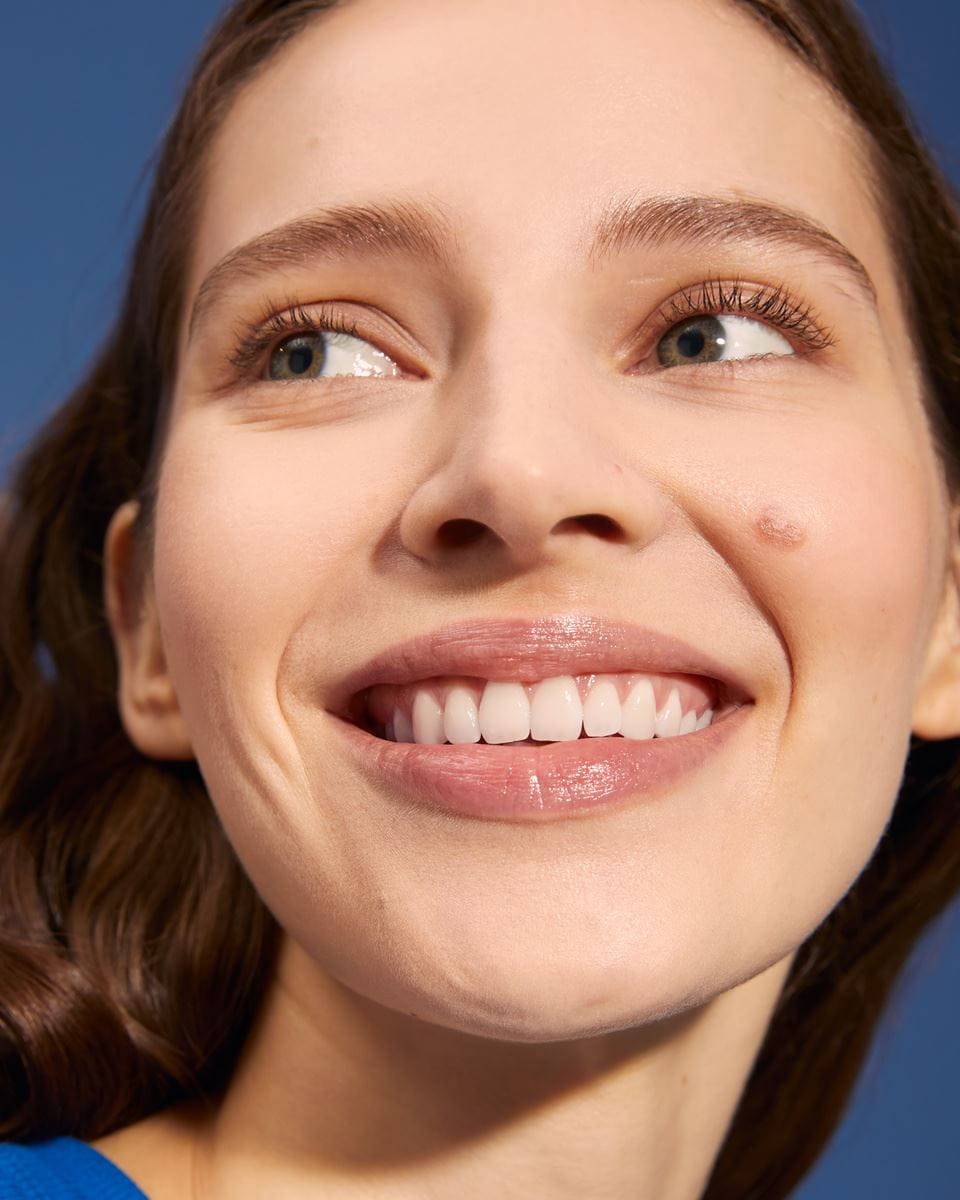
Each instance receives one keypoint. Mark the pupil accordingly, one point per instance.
(691, 342)
(300, 359)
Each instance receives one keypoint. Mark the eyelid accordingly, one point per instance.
(252, 344)
(771, 305)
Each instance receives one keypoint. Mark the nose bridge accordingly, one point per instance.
(529, 451)
(520, 401)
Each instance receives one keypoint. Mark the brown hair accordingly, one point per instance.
(133, 949)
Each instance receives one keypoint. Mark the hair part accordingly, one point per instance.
(134, 951)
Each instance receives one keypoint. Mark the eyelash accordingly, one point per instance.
(253, 344)
(714, 297)
(774, 305)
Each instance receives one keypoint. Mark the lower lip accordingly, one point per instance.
(537, 783)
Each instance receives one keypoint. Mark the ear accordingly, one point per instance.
(146, 696)
(936, 711)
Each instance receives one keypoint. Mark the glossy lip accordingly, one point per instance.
(528, 783)
(522, 784)
(530, 650)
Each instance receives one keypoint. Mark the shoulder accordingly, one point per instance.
(62, 1168)
(158, 1151)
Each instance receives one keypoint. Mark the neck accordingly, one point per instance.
(337, 1095)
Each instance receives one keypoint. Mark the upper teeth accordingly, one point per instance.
(553, 710)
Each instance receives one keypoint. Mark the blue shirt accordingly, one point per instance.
(63, 1168)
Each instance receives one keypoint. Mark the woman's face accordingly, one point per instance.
(520, 440)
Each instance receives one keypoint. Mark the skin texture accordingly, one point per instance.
(465, 1008)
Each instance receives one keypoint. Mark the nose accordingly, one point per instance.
(529, 464)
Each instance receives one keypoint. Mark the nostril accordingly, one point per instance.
(596, 523)
(460, 531)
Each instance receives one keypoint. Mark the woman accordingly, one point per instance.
(576, 401)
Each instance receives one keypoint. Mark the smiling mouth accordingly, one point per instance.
(573, 773)
(468, 710)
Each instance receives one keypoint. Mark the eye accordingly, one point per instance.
(322, 353)
(706, 339)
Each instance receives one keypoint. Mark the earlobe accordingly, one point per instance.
(936, 712)
(146, 697)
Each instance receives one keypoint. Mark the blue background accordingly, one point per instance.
(86, 91)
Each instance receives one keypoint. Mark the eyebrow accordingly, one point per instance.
(420, 231)
(397, 228)
(708, 220)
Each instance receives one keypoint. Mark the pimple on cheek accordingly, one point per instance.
(775, 528)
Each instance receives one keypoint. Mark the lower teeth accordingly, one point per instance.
(387, 736)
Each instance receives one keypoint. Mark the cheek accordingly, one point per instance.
(838, 546)
(844, 536)
(253, 527)
(255, 531)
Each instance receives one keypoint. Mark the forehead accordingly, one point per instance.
(523, 120)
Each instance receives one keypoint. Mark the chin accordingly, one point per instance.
(540, 1000)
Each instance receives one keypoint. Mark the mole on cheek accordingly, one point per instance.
(773, 527)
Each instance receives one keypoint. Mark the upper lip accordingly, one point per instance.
(518, 649)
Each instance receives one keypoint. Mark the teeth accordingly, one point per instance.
(461, 720)
(601, 710)
(558, 709)
(504, 713)
(427, 719)
(402, 729)
(556, 714)
(669, 717)
(638, 719)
